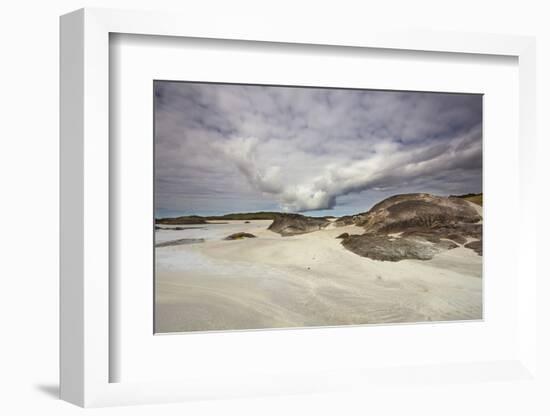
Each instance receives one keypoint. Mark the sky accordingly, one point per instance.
(222, 148)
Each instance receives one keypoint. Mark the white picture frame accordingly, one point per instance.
(85, 210)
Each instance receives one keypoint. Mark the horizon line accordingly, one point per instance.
(304, 213)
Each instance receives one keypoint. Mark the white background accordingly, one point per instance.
(29, 172)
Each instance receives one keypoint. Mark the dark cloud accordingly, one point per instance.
(306, 149)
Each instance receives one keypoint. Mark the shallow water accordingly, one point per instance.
(206, 231)
(183, 257)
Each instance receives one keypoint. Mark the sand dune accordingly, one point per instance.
(307, 280)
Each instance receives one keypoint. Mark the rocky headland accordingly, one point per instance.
(414, 226)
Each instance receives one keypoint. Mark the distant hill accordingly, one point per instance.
(188, 219)
(475, 198)
(197, 219)
(261, 215)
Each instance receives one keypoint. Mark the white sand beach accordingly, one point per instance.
(303, 280)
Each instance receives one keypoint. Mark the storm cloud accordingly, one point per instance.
(222, 148)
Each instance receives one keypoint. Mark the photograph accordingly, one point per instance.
(307, 206)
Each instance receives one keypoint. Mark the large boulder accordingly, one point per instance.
(414, 226)
(292, 224)
(458, 232)
(386, 248)
(477, 246)
(403, 212)
(239, 236)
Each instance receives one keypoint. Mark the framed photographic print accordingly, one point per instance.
(261, 212)
(279, 207)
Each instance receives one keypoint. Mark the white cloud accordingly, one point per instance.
(387, 167)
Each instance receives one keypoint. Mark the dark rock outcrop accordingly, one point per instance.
(477, 246)
(239, 236)
(343, 236)
(386, 248)
(459, 233)
(402, 212)
(413, 226)
(292, 224)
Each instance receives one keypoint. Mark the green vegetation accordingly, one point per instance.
(475, 198)
(189, 219)
(245, 216)
(196, 219)
(262, 215)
